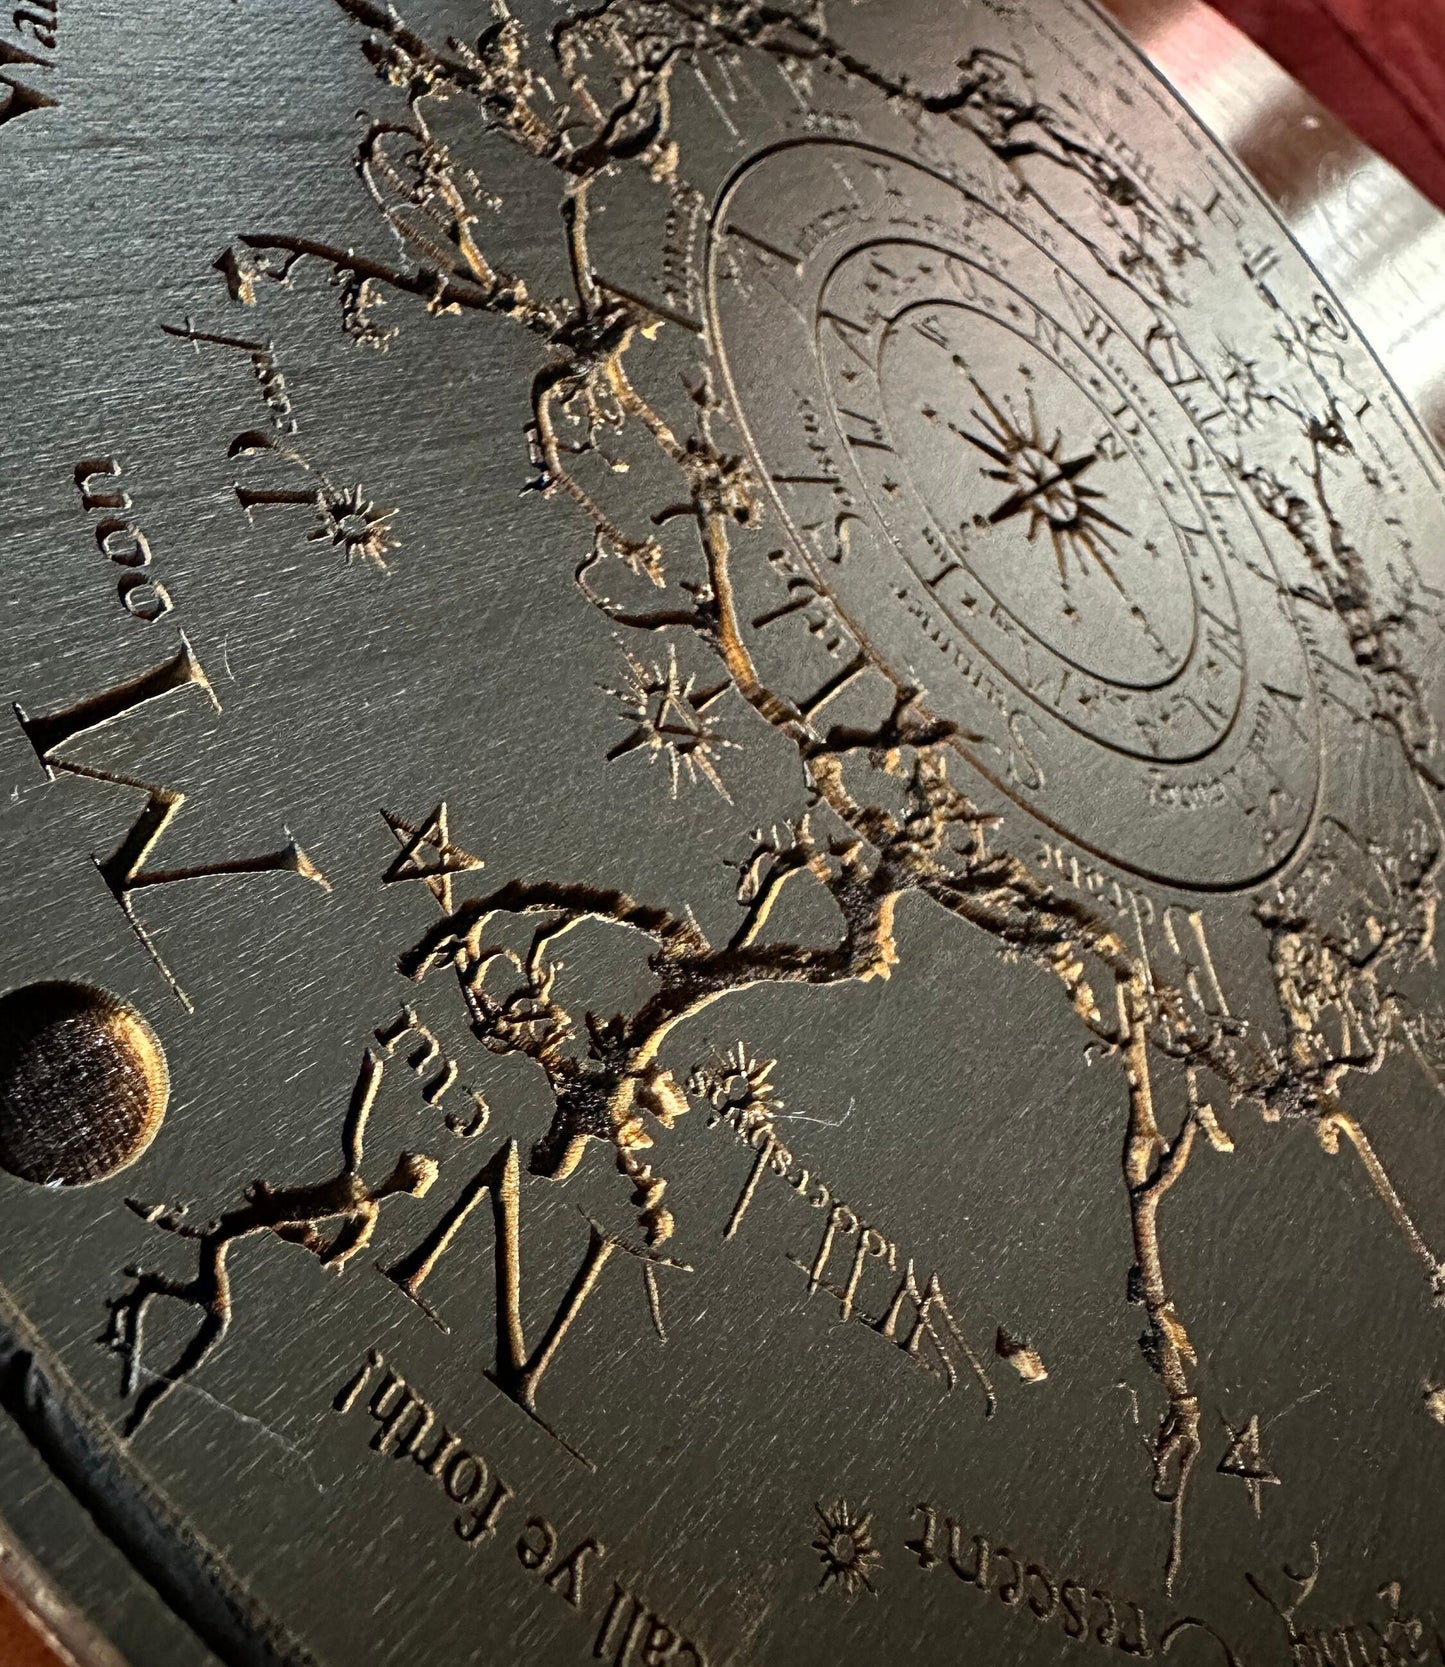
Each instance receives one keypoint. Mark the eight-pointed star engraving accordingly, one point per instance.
(1045, 485)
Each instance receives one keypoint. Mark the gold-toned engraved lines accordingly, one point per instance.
(264, 366)
(126, 870)
(951, 861)
(83, 1084)
(346, 518)
(120, 537)
(629, 1633)
(438, 1072)
(404, 1424)
(1081, 1611)
(816, 609)
(1396, 1637)
(1245, 1459)
(671, 720)
(1020, 1353)
(939, 846)
(517, 1370)
(1151, 235)
(611, 1092)
(1339, 1013)
(345, 1202)
(37, 24)
(846, 1549)
(916, 1318)
(1171, 945)
(527, 1021)
(1307, 499)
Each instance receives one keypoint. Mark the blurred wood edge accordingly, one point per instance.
(37, 1627)
(20, 1644)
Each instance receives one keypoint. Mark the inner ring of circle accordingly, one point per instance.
(1067, 719)
(1180, 659)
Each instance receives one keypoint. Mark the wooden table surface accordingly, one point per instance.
(1378, 64)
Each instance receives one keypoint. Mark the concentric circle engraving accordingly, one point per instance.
(1101, 578)
(83, 1084)
(1013, 510)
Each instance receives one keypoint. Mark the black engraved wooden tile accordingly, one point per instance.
(722, 840)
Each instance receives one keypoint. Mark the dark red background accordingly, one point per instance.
(1378, 64)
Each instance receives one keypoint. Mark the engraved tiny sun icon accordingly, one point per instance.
(672, 721)
(846, 1548)
(349, 520)
(1045, 485)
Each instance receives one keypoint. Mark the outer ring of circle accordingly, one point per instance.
(714, 337)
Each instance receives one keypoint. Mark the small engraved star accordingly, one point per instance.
(427, 854)
(671, 721)
(739, 1082)
(846, 1548)
(1245, 1460)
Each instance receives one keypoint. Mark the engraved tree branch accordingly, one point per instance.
(295, 1214)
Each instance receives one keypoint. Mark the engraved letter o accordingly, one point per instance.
(1035, 1573)
(463, 1484)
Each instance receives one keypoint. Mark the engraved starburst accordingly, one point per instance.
(671, 718)
(845, 1547)
(354, 525)
(738, 1083)
(1045, 485)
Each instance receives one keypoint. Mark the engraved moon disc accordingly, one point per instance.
(1013, 513)
(83, 1084)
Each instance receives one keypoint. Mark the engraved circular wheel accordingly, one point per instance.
(83, 1084)
(1013, 510)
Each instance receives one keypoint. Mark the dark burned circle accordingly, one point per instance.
(83, 1083)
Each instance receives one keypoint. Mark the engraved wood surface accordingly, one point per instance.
(950, 1155)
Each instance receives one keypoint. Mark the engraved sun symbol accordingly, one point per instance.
(846, 1548)
(1046, 486)
(351, 522)
(672, 720)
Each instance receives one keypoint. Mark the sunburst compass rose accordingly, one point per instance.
(846, 1549)
(1046, 486)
